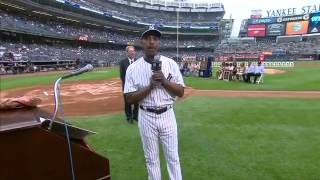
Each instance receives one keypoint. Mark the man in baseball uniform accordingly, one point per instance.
(156, 91)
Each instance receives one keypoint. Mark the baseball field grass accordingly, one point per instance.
(305, 76)
(219, 137)
(20, 81)
(222, 138)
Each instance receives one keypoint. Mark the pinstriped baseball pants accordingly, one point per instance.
(161, 129)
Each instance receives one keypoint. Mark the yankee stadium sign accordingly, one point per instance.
(293, 11)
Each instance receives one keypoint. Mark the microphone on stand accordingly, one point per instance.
(57, 100)
(79, 71)
(84, 69)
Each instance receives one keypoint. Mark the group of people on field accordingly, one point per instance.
(189, 68)
(230, 71)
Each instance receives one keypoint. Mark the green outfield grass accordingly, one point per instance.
(223, 138)
(305, 76)
(44, 79)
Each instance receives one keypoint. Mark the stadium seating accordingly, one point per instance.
(67, 30)
(43, 52)
(101, 45)
(273, 49)
(146, 15)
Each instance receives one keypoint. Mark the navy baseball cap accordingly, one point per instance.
(151, 31)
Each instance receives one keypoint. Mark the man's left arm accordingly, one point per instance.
(173, 88)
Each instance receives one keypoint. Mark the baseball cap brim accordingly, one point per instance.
(150, 32)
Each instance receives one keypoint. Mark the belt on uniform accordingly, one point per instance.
(159, 110)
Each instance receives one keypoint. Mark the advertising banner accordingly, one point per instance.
(295, 28)
(314, 25)
(262, 20)
(303, 17)
(275, 29)
(83, 37)
(267, 52)
(258, 30)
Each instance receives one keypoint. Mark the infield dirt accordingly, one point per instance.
(86, 98)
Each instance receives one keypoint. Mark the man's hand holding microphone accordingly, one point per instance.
(157, 79)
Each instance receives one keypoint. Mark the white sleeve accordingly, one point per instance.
(176, 76)
(129, 85)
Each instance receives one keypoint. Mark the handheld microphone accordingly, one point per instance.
(156, 63)
(84, 69)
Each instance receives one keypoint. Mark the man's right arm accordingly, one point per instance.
(137, 96)
(132, 93)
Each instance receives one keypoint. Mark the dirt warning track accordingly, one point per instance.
(88, 98)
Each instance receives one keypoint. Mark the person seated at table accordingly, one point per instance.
(227, 73)
(241, 72)
(186, 69)
(230, 66)
(181, 67)
(220, 70)
(258, 71)
(197, 67)
(230, 69)
(250, 72)
(234, 70)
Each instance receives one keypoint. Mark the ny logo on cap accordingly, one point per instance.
(151, 27)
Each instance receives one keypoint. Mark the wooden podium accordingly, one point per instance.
(29, 151)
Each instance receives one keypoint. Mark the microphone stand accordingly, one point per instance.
(56, 101)
(58, 104)
(57, 98)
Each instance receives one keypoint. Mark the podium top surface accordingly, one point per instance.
(12, 120)
(20, 118)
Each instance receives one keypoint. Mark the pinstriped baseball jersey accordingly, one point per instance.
(155, 128)
(138, 76)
